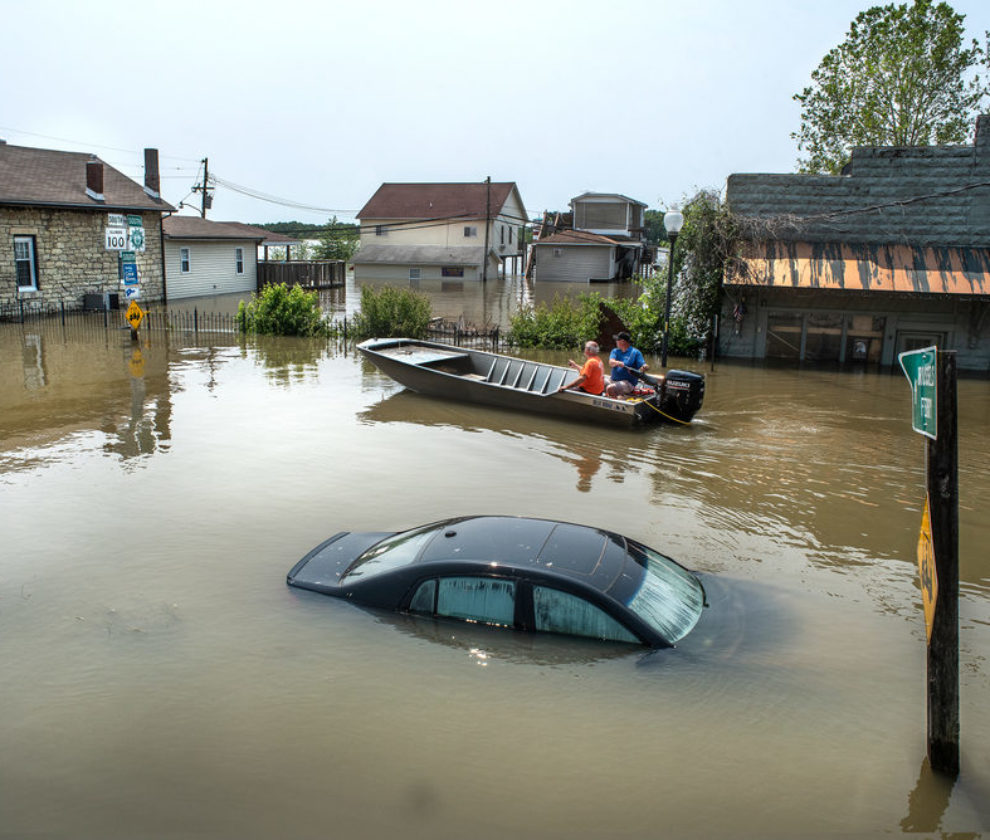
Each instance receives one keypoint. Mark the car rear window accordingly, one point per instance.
(391, 553)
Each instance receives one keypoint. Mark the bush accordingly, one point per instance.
(392, 313)
(562, 326)
(279, 310)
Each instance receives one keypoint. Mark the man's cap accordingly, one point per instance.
(622, 336)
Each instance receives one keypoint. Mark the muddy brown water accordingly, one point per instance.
(160, 679)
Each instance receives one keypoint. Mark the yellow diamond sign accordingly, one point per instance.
(926, 569)
(134, 315)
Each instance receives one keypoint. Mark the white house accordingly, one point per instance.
(209, 258)
(437, 231)
(607, 241)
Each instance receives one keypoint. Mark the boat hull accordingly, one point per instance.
(477, 376)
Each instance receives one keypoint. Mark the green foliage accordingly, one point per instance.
(392, 313)
(708, 241)
(705, 245)
(337, 241)
(306, 229)
(296, 252)
(902, 77)
(279, 310)
(561, 326)
(655, 233)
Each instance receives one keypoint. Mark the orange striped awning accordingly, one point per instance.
(875, 268)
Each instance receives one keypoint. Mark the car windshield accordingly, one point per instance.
(669, 598)
(392, 552)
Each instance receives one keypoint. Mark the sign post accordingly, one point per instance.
(134, 316)
(932, 374)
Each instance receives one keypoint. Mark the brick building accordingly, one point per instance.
(891, 255)
(60, 216)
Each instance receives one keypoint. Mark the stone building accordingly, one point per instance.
(891, 255)
(75, 232)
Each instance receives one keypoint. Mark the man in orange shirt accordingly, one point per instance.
(592, 373)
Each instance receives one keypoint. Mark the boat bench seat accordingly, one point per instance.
(525, 376)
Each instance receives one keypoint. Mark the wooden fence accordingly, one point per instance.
(310, 274)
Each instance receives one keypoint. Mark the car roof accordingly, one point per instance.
(589, 555)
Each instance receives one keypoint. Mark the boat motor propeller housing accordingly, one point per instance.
(682, 394)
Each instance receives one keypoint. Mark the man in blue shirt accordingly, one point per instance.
(623, 358)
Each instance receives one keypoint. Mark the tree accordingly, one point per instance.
(902, 77)
(337, 242)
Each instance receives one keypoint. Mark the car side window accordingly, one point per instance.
(555, 611)
(486, 600)
(425, 598)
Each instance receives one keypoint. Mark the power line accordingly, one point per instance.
(272, 199)
(84, 143)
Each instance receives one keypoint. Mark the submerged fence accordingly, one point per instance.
(195, 322)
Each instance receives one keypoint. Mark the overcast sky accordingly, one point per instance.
(317, 104)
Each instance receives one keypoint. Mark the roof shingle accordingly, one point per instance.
(51, 178)
(436, 201)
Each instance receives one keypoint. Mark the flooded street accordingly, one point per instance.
(161, 680)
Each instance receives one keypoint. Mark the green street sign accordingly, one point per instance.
(919, 368)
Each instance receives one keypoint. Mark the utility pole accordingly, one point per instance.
(488, 212)
(207, 200)
(206, 182)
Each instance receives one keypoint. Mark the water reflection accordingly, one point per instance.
(483, 646)
(928, 802)
(584, 446)
(96, 388)
(145, 624)
(285, 360)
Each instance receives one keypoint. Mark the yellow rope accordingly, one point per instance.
(664, 414)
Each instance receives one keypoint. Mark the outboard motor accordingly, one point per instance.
(682, 394)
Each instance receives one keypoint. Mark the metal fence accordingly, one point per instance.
(197, 322)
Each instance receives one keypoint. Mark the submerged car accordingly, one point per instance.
(528, 574)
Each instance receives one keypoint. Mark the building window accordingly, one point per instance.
(184, 260)
(414, 273)
(452, 271)
(501, 235)
(470, 230)
(381, 230)
(558, 252)
(510, 236)
(25, 264)
(239, 259)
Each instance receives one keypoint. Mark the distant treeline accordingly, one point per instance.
(305, 230)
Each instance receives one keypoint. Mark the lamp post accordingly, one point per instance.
(672, 222)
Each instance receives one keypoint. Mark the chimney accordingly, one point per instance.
(152, 179)
(94, 178)
(982, 139)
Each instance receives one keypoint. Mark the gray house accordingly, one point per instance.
(891, 255)
(606, 241)
(209, 258)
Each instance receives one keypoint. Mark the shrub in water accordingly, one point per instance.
(392, 313)
(279, 310)
(563, 325)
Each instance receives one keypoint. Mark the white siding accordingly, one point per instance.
(399, 274)
(576, 264)
(213, 268)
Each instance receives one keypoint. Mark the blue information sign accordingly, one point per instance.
(130, 274)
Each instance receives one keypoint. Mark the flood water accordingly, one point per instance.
(161, 680)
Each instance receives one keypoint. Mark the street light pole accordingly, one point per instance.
(672, 222)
